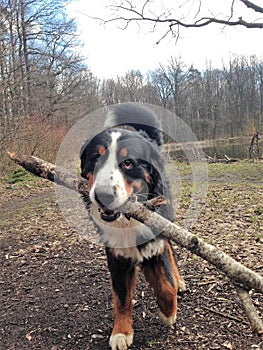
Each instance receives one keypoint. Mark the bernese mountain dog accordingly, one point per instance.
(122, 161)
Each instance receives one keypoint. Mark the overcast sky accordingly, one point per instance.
(111, 51)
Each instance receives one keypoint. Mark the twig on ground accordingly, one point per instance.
(230, 317)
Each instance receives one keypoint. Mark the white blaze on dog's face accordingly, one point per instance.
(109, 187)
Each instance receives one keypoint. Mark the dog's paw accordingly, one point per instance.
(121, 341)
(169, 321)
(182, 286)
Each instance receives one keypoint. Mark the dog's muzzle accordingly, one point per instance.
(104, 200)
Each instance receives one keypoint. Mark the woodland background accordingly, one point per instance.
(55, 291)
(46, 85)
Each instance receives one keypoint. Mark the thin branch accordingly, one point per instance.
(144, 6)
(199, 9)
(232, 10)
(219, 313)
(202, 22)
(252, 6)
(137, 15)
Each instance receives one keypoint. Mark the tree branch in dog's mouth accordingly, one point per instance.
(238, 273)
(109, 215)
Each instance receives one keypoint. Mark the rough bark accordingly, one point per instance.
(237, 272)
(254, 147)
(243, 278)
(252, 313)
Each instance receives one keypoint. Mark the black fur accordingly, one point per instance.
(141, 118)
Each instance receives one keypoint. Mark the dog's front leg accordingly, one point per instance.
(162, 274)
(123, 286)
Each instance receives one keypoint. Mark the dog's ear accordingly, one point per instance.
(137, 116)
(160, 187)
(84, 160)
(83, 147)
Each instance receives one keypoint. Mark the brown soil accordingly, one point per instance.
(55, 289)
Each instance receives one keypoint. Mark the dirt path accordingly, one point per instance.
(55, 290)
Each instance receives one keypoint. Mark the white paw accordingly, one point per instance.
(169, 321)
(182, 286)
(121, 341)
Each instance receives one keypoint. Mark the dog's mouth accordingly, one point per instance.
(109, 215)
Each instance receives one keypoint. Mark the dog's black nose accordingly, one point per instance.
(103, 198)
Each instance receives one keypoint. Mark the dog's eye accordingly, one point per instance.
(127, 164)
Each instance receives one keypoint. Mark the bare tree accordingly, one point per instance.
(40, 65)
(44, 84)
(133, 86)
(187, 14)
(215, 103)
(133, 81)
(163, 89)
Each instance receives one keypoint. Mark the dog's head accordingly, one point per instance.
(118, 164)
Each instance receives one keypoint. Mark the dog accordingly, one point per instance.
(122, 161)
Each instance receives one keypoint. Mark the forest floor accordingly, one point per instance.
(55, 288)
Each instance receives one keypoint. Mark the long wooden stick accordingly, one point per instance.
(240, 275)
(49, 171)
(254, 319)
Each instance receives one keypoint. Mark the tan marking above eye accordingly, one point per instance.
(124, 152)
(101, 150)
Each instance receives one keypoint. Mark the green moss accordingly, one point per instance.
(5, 224)
(19, 175)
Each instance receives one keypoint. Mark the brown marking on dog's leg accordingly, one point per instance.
(160, 274)
(122, 333)
(165, 293)
(122, 313)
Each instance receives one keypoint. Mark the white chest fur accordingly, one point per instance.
(123, 236)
